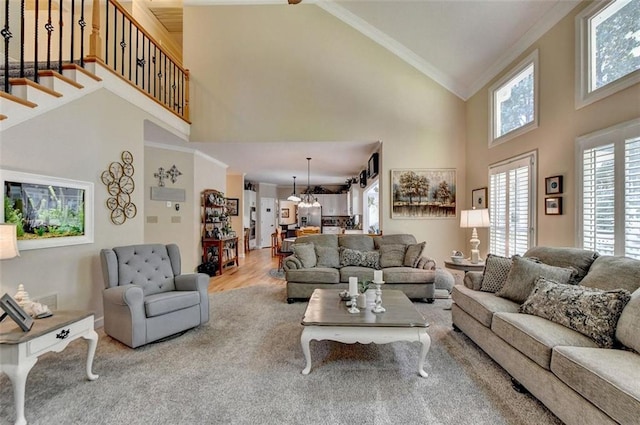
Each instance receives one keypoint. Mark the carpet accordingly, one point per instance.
(277, 274)
(243, 367)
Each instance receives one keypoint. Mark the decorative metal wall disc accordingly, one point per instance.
(120, 184)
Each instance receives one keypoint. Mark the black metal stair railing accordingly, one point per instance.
(61, 31)
(50, 34)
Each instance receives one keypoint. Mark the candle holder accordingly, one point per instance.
(354, 307)
(378, 307)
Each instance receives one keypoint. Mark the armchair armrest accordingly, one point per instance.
(473, 280)
(426, 263)
(196, 282)
(124, 314)
(291, 263)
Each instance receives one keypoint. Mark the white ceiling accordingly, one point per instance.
(461, 44)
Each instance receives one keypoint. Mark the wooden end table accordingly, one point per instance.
(19, 351)
(327, 318)
(465, 265)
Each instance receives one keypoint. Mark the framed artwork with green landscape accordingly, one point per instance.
(423, 193)
(47, 211)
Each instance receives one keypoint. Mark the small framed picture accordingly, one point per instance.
(479, 198)
(553, 185)
(284, 213)
(553, 206)
(17, 314)
(232, 206)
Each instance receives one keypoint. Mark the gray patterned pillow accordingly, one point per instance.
(592, 312)
(350, 257)
(370, 259)
(305, 253)
(523, 275)
(413, 253)
(496, 270)
(327, 257)
(392, 255)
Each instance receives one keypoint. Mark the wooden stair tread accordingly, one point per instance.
(81, 69)
(28, 82)
(52, 73)
(17, 99)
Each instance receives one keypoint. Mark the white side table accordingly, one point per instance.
(465, 265)
(19, 351)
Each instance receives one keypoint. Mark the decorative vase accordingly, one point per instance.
(362, 301)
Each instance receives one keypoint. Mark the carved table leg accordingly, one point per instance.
(425, 340)
(305, 338)
(18, 377)
(92, 343)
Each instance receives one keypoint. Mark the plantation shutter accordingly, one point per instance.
(598, 202)
(609, 202)
(511, 205)
(632, 198)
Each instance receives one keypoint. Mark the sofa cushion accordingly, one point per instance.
(327, 257)
(314, 275)
(496, 270)
(350, 257)
(402, 239)
(608, 272)
(413, 253)
(481, 305)
(324, 239)
(362, 273)
(523, 275)
(371, 259)
(592, 312)
(306, 253)
(535, 337)
(392, 255)
(167, 302)
(607, 378)
(408, 275)
(627, 330)
(579, 260)
(357, 242)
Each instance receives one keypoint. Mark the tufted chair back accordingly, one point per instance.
(151, 266)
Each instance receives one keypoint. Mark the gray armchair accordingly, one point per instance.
(146, 298)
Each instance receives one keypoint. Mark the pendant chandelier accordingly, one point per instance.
(293, 197)
(307, 199)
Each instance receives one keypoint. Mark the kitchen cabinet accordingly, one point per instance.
(333, 205)
(355, 200)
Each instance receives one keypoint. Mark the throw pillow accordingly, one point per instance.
(327, 257)
(305, 253)
(370, 259)
(592, 312)
(413, 254)
(496, 270)
(523, 275)
(350, 257)
(392, 255)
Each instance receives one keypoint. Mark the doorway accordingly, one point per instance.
(267, 221)
(371, 210)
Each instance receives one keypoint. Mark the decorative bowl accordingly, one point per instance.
(457, 259)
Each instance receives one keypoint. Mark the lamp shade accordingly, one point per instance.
(474, 218)
(8, 241)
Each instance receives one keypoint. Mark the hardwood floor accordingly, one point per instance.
(253, 269)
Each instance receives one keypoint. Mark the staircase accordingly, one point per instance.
(33, 95)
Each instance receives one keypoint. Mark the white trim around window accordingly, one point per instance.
(494, 137)
(584, 95)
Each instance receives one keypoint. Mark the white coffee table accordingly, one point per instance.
(327, 318)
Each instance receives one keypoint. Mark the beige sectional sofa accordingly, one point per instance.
(586, 377)
(327, 261)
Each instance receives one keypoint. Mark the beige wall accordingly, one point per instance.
(560, 124)
(59, 144)
(272, 73)
(171, 226)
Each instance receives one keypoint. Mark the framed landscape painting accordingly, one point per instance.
(423, 193)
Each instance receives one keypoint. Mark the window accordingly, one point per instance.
(512, 205)
(608, 49)
(609, 199)
(513, 102)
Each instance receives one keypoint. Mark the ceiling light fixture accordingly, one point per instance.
(293, 197)
(308, 200)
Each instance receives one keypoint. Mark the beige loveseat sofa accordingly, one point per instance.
(586, 377)
(327, 261)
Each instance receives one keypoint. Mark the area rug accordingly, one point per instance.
(277, 274)
(244, 366)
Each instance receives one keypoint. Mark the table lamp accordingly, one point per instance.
(472, 219)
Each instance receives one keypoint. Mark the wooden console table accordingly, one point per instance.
(19, 351)
(226, 251)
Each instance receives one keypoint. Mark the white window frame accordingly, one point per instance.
(505, 80)
(616, 135)
(583, 94)
(530, 159)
